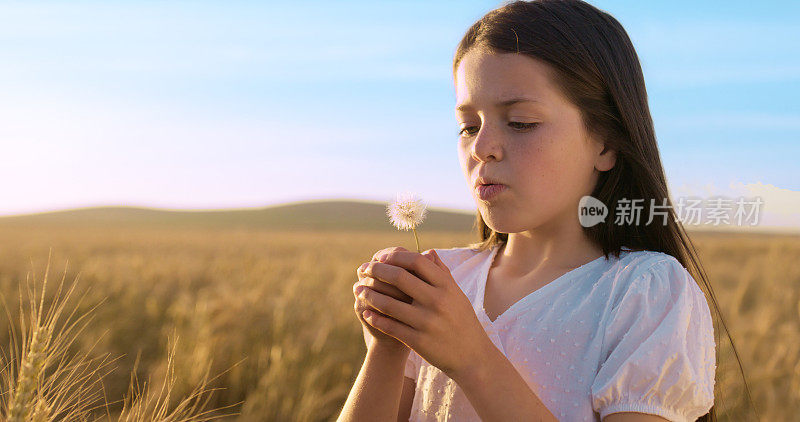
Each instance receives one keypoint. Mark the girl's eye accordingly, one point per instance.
(466, 128)
(516, 125)
(521, 125)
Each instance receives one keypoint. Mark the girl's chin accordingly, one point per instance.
(501, 222)
(495, 222)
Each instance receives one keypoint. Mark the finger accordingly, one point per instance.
(387, 250)
(360, 269)
(421, 266)
(386, 288)
(391, 327)
(381, 287)
(360, 305)
(433, 256)
(408, 283)
(378, 254)
(399, 310)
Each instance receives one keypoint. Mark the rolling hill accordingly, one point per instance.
(312, 215)
(344, 215)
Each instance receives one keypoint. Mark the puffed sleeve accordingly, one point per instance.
(659, 348)
(412, 364)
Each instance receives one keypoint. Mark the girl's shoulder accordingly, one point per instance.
(658, 347)
(645, 272)
(459, 256)
(634, 263)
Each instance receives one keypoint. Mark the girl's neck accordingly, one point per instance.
(530, 251)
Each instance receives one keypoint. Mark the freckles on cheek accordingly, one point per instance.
(555, 157)
(537, 159)
(547, 175)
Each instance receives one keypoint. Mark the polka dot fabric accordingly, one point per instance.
(632, 333)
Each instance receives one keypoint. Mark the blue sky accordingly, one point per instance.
(239, 104)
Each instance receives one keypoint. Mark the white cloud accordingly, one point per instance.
(780, 208)
(776, 200)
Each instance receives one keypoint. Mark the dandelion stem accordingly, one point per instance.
(417, 239)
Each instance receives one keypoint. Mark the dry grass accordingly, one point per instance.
(272, 312)
(45, 381)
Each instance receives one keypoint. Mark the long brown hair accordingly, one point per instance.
(598, 70)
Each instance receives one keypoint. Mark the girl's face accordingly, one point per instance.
(518, 129)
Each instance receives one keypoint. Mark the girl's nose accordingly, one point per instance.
(487, 144)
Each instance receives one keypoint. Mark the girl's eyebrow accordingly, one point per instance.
(499, 104)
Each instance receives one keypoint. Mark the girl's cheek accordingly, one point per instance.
(533, 158)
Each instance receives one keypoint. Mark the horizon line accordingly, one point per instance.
(700, 228)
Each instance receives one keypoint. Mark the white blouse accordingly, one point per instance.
(627, 334)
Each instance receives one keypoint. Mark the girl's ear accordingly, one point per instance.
(606, 160)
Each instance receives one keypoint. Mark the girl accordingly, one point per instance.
(546, 318)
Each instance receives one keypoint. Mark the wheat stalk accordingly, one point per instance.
(65, 391)
(144, 409)
(35, 394)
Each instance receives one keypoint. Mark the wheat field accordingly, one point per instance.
(271, 312)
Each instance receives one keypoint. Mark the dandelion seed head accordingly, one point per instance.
(407, 211)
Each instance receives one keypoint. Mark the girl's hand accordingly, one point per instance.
(440, 324)
(365, 281)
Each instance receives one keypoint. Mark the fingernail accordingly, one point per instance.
(364, 266)
(383, 258)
